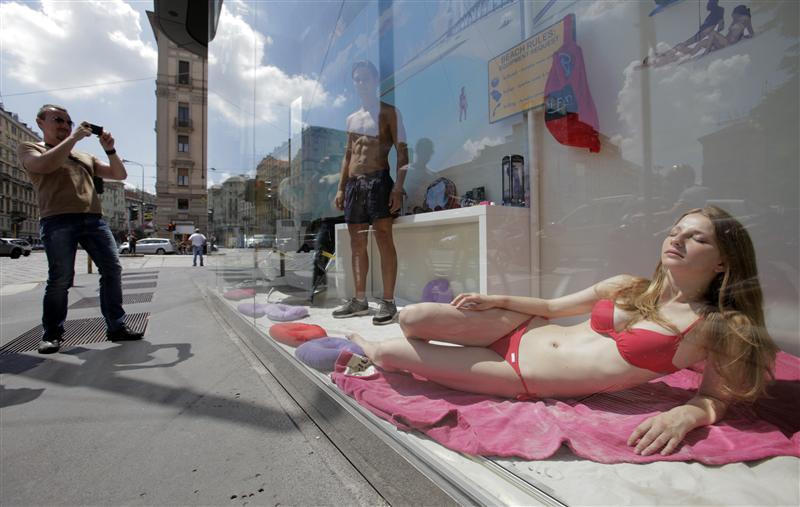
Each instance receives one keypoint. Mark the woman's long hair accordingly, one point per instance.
(738, 344)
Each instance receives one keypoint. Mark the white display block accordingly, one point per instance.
(482, 249)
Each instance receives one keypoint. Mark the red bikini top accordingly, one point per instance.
(642, 348)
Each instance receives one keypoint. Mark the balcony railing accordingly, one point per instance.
(183, 80)
(181, 123)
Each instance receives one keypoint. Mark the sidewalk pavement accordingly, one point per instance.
(186, 416)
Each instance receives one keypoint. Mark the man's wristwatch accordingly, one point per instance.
(111, 151)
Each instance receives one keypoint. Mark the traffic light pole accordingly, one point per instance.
(141, 210)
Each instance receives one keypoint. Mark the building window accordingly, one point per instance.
(183, 204)
(183, 72)
(183, 177)
(183, 144)
(183, 115)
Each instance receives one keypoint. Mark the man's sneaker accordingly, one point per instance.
(50, 345)
(123, 334)
(387, 311)
(352, 308)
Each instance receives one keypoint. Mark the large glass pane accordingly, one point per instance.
(542, 147)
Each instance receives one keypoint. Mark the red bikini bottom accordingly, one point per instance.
(508, 348)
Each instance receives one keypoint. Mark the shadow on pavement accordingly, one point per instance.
(9, 397)
(100, 371)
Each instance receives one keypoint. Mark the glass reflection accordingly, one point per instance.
(696, 104)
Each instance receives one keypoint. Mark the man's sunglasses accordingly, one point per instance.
(62, 121)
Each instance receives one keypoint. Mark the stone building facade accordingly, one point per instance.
(181, 132)
(19, 210)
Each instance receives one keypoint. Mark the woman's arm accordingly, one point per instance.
(578, 303)
(664, 432)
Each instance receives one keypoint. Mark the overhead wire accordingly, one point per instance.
(327, 51)
(93, 85)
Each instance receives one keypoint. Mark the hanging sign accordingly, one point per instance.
(517, 76)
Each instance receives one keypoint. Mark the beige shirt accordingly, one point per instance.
(69, 189)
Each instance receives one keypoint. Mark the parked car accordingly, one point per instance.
(24, 245)
(9, 249)
(260, 241)
(158, 246)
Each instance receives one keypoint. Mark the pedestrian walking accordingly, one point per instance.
(198, 241)
(132, 244)
(71, 214)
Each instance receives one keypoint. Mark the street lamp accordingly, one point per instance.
(141, 211)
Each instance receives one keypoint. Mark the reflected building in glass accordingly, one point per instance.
(181, 132)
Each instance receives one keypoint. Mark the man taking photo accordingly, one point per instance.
(71, 214)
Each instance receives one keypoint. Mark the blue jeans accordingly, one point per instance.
(197, 250)
(61, 235)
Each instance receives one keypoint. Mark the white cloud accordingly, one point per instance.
(223, 177)
(236, 67)
(238, 8)
(474, 147)
(693, 91)
(67, 44)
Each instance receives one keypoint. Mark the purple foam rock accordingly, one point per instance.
(252, 309)
(437, 291)
(280, 312)
(321, 354)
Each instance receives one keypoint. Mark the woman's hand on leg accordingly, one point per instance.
(474, 301)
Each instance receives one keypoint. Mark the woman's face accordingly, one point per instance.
(691, 245)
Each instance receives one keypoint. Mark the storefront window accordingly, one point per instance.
(543, 147)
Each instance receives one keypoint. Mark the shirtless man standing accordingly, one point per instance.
(367, 193)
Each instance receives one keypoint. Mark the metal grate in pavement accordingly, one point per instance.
(143, 285)
(140, 278)
(127, 299)
(134, 273)
(76, 332)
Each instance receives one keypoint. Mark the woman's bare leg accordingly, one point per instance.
(444, 322)
(470, 369)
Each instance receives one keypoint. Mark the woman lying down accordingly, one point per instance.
(703, 303)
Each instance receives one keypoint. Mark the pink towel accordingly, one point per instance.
(594, 428)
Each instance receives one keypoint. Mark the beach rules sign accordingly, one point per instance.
(518, 75)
